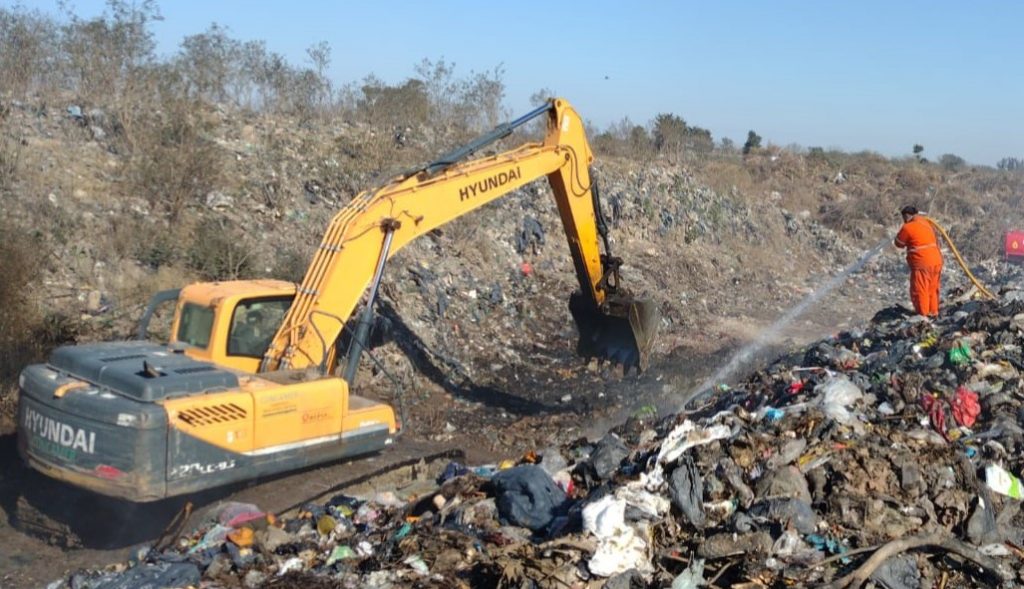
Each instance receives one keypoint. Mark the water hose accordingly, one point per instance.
(960, 260)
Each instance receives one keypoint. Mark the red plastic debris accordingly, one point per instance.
(965, 406)
(526, 268)
(796, 387)
(1014, 247)
(936, 413)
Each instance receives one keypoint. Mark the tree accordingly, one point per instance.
(699, 141)
(387, 107)
(726, 145)
(669, 133)
(1011, 164)
(106, 54)
(27, 51)
(320, 56)
(461, 107)
(918, 148)
(639, 141)
(207, 61)
(753, 142)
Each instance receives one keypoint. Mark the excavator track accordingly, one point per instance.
(406, 461)
(52, 512)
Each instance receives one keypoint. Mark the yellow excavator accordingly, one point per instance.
(251, 383)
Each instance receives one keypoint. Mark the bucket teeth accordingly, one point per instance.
(621, 333)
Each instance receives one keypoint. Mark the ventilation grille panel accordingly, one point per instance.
(212, 414)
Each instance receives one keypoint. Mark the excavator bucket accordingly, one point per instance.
(622, 332)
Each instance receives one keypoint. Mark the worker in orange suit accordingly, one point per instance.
(924, 258)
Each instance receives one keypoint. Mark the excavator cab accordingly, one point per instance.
(229, 323)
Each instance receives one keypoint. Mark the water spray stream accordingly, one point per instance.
(744, 354)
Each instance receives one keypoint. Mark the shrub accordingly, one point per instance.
(753, 142)
(173, 163)
(291, 264)
(105, 56)
(912, 179)
(952, 162)
(20, 256)
(219, 252)
(27, 53)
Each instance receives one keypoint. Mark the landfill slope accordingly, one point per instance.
(887, 453)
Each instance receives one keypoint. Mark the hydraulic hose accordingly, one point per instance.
(960, 260)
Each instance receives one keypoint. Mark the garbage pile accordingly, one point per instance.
(888, 455)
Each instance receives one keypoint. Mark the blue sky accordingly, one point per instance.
(853, 75)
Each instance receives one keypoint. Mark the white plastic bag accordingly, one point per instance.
(837, 394)
(619, 548)
(687, 435)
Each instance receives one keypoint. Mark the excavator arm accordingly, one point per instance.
(380, 222)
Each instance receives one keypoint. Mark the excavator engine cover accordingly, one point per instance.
(621, 331)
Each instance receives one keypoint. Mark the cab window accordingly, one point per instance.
(254, 324)
(195, 325)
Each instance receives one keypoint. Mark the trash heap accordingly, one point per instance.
(887, 456)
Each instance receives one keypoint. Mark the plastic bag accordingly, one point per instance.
(156, 576)
(692, 577)
(236, 514)
(837, 394)
(527, 496)
(1002, 481)
(960, 354)
(687, 435)
(965, 406)
(603, 517)
(687, 489)
(607, 456)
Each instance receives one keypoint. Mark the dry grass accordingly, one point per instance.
(728, 176)
(10, 155)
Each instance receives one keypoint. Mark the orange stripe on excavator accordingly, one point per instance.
(262, 414)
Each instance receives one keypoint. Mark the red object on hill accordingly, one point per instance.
(1015, 246)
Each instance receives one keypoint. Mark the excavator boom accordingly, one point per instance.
(379, 222)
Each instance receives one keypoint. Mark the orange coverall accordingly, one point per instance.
(925, 261)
